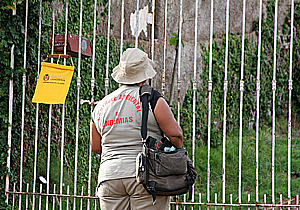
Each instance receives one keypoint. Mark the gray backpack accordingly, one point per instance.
(162, 168)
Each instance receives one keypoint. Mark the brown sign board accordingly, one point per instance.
(72, 45)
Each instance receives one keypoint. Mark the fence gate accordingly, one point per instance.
(36, 191)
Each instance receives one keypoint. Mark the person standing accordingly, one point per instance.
(116, 134)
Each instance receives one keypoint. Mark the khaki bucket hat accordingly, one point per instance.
(134, 67)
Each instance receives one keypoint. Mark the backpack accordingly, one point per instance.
(161, 167)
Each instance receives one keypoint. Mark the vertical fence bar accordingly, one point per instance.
(137, 24)
(216, 200)
(23, 108)
(297, 201)
(225, 103)
(200, 200)
(241, 98)
(92, 99)
(63, 116)
(179, 62)
(231, 201)
(40, 197)
(122, 28)
(50, 110)
(10, 110)
(290, 102)
(195, 89)
(37, 110)
(265, 200)
(53, 201)
(107, 50)
(152, 29)
(14, 197)
(165, 50)
(257, 98)
(68, 193)
(78, 103)
(27, 190)
(49, 155)
(249, 201)
(178, 80)
(209, 98)
(81, 200)
(274, 95)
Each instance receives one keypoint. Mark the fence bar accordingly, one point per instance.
(248, 201)
(81, 200)
(40, 198)
(137, 24)
(53, 201)
(257, 98)
(107, 50)
(122, 29)
(50, 108)
(230, 201)
(241, 98)
(297, 201)
(179, 62)
(10, 105)
(200, 201)
(274, 95)
(92, 99)
(68, 192)
(209, 98)
(216, 200)
(13, 199)
(165, 50)
(225, 102)
(49, 154)
(37, 109)
(152, 28)
(265, 200)
(63, 115)
(290, 102)
(27, 190)
(194, 90)
(78, 96)
(23, 107)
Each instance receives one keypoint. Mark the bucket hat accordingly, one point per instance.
(134, 67)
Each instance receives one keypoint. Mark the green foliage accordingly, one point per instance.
(12, 32)
(174, 39)
(249, 78)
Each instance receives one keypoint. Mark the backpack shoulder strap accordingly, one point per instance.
(145, 95)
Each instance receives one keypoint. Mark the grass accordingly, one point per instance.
(248, 168)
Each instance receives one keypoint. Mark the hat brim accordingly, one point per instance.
(120, 76)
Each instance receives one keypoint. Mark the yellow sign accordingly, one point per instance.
(53, 84)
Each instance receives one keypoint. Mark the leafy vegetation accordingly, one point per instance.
(12, 33)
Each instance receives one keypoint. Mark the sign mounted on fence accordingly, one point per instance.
(53, 83)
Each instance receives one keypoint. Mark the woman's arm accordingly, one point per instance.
(167, 122)
(95, 139)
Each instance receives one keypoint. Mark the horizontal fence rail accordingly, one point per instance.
(40, 193)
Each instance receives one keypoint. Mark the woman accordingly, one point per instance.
(116, 134)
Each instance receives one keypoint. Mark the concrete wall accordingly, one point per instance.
(188, 31)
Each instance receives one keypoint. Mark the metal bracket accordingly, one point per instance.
(273, 85)
(290, 84)
(150, 18)
(242, 86)
(209, 86)
(178, 84)
(257, 85)
(78, 81)
(225, 85)
(194, 85)
(106, 82)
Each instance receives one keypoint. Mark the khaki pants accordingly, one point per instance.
(127, 194)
